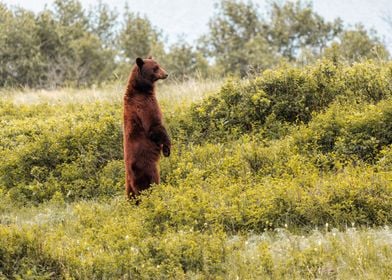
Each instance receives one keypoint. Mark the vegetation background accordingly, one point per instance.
(282, 157)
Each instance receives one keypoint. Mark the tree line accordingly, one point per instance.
(68, 45)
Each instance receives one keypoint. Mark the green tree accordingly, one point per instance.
(55, 47)
(102, 22)
(138, 38)
(356, 44)
(240, 39)
(70, 13)
(50, 44)
(294, 27)
(82, 58)
(234, 25)
(19, 51)
(183, 61)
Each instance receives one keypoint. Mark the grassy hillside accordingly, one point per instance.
(285, 175)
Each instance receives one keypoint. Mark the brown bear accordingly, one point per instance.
(144, 134)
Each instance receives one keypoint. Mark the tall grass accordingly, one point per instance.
(171, 92)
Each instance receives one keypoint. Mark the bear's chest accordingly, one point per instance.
(148, 111)
(146, 105)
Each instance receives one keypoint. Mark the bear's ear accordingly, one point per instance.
(139, 62)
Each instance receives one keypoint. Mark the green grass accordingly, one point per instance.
(287, 175)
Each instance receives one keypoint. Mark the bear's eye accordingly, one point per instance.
(156, 68)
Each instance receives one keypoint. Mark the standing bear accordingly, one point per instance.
(144, 134)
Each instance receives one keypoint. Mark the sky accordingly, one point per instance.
(188, 18)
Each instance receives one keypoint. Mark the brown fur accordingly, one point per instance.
(144, 134)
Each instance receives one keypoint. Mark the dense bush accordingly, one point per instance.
(348, 133)
(66, 149)
(286, 95)
(246, 187)
(24, 257)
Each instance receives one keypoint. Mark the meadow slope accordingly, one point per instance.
(285, 175)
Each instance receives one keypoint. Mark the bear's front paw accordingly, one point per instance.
(166, 150)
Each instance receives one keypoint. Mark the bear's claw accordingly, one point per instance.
(166, 151)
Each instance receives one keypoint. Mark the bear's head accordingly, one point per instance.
(150, 70)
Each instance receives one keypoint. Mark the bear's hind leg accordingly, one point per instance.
(145, 177)
(130, 189)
